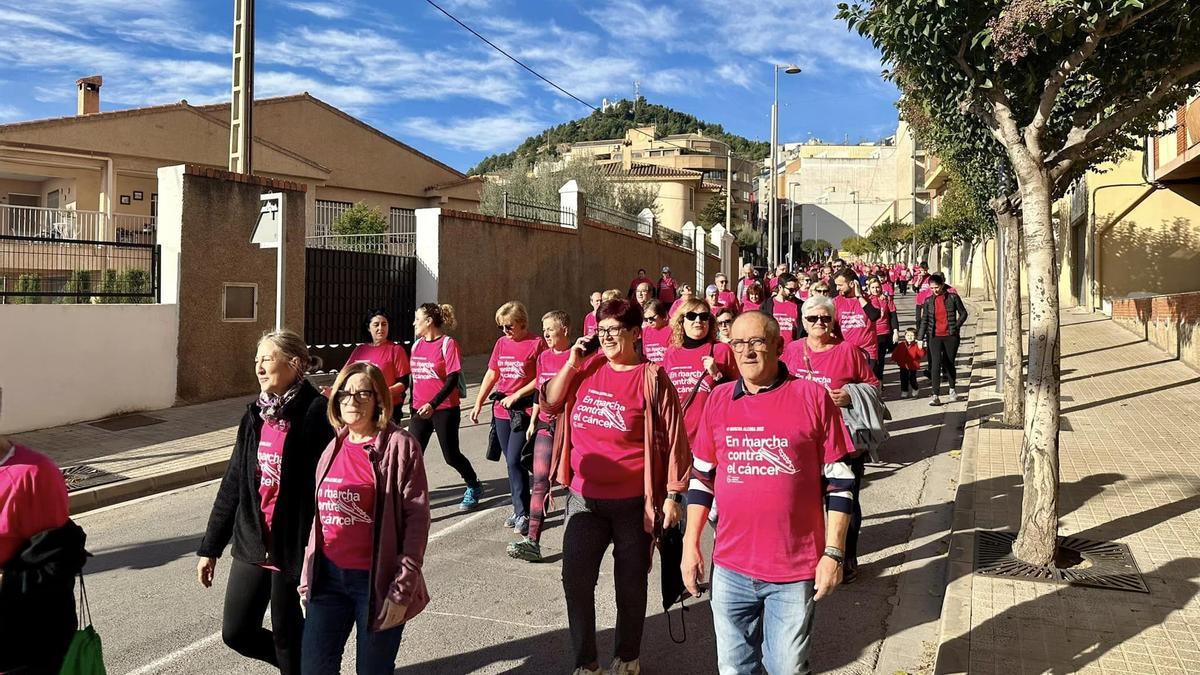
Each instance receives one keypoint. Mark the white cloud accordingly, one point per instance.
(735, 73)
(325, 10)
(452, 5)
(483, 134)
(11, 113)
(633, 22)
(673, 81)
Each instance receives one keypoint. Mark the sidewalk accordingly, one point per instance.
(150, 452)
(1129, 458)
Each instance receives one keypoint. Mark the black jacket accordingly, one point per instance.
(956, 316)
(236, 512)
(37, 600)
(768, 308)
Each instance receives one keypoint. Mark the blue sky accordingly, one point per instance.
(403, 67)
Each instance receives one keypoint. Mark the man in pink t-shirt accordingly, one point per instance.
(589, 321)
(667, 288)
(725, 296)
(856, 316)
(771, 450)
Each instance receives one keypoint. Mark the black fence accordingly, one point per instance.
(342, 286)
(538, 213)
(37, 270)
(673, 237)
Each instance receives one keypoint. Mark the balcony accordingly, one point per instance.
(1185, 162)
(73, 224)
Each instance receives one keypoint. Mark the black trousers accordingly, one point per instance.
(445, 423)
(943, 351)
(592, 524)
(250, 589)
(859, 466)
(884, 340)
(903, 287)
(908, 380)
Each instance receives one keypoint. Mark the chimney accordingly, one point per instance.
(89, 95)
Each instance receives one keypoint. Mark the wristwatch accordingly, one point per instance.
(675, 497)
(836, 553)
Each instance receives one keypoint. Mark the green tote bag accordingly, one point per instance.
(85, 655)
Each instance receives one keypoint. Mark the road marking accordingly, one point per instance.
(155, 666)
(484, 618)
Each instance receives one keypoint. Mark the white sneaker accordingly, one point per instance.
(587, 671)
(620, 667)
(952, 394)
(935, 400)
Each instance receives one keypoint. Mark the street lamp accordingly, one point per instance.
(773, 223)
(857, 213)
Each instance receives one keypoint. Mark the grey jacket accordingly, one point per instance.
(865, 417)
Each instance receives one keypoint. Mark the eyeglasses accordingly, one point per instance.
(649, 319)
(728, 322)
(610, 332)
(821, 289)
(757, 344)
(792, 289)
(698, 316)
(363, 396)
(506, 328)
(819, 318)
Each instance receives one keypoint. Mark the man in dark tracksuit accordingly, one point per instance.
(942, 315)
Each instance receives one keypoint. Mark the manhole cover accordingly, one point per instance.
(125, 422)
(1105, 564)
(83, 476)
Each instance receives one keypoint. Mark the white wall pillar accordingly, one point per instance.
(571, 198)
(429, 229)
(717, 236)
(697, 234)
(170, 230)
(646, 219)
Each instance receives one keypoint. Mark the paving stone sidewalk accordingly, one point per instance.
(1130, 449)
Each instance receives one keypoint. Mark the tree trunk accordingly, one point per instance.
(1036, 541)
(1013, 367)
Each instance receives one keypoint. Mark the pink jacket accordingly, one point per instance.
(401, 524)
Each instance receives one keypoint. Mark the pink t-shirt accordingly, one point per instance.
(655, 342)
(751, 306)
(666, 290)
(589, 324)
(270, 459)
(856, 328)
(33, 498)
(772, 283)
(608, 455)
(430, 369)
(549, 363)
(516, 362)
(833, 368)
(389, 357)
(346, 508)
(728, 299)
(769, 450)
(887, 307)
(787, 313)
(685, 367)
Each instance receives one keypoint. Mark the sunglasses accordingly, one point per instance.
(649, 319)
(822, 319)
(698, 316)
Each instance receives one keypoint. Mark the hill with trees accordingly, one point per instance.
(613, 122)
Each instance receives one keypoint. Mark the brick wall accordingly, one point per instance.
(1169, 322)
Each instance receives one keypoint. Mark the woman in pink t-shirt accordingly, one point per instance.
(696, 361)
(389, 357)
(619, 449)
(436, 369)
(656, 331)
(724, 319)
(363, 563)
(754, 298)
(685, 294)
(887, 326)
(512, 375)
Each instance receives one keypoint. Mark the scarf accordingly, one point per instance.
(270, 406)
(692, 343)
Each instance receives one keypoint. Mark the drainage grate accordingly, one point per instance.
(125, 422)
(1107, 565)
(83, 476)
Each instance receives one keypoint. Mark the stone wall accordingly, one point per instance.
(1169, 322)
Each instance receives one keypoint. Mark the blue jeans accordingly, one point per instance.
(760, 624)
(512, 440)
(339, 600)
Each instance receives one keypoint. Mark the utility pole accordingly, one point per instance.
(241, 135)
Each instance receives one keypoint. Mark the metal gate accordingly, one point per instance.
(342, 286)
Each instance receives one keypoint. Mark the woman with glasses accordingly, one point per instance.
(265, 505)
(887, 326)
(656, 331)
(620, 450)
(685, 293)
(389, 357)
(724, 319)
(362, 565)
(696, 361)
(511, 373)
(833, 363)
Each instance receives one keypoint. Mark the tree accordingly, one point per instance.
(28, 283)
(1061, 86)
(713, 212)
(856, 246)
(360, 219)
(521, 183)
(78, 287)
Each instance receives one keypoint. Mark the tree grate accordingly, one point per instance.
(82, 476)
(1109, 565)
(126, 422)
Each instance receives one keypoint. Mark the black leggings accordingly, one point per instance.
(445, 423)
(247, 594)
(884, 341)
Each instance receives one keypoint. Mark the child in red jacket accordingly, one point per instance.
(908, 355)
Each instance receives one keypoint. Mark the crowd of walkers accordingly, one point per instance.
(754, 406)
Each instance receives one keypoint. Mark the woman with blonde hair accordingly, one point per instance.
(362, 565)
(696, 361)
(265, 505)
(436, 372)
(512, 375)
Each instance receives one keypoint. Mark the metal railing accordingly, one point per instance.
(538, 213)
(74, 224)
(388, 243)
(677, 238)
(34, 270)
(402, 221)
(327, 212)
(712, 249)
(618, 219)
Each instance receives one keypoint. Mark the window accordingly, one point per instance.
(692, 198)
(239, 302)
(327, 212)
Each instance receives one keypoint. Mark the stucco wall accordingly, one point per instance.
(61, 364)
(219, 213)
(482, 262)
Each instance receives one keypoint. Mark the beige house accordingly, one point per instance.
(682, 193)
(93, 175)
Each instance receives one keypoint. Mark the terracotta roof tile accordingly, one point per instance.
(648, 171)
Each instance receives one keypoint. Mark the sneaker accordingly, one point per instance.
(620, 667)
(912, 394)
(952, 394)
(470, 498)
(587, 671)
(935, 400)
(521, 525)
(510, 521)
(526, 549)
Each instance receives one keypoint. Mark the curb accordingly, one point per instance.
(90, 499)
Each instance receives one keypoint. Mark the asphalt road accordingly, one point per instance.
(491, 614)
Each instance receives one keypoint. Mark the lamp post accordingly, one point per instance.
(773, 223)
(857, 213)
